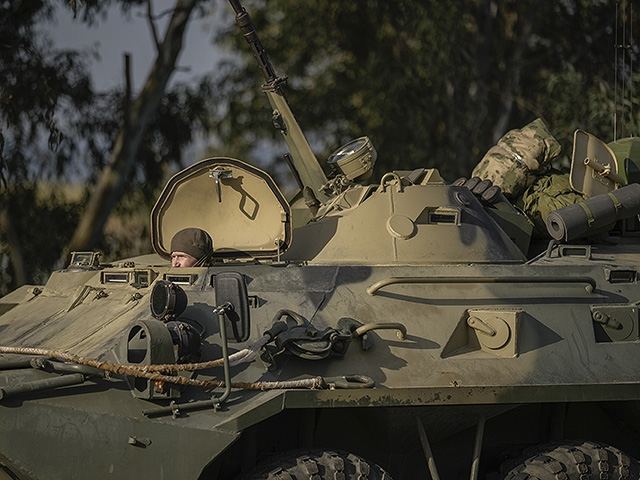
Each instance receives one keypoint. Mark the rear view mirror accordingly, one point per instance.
(231, 288)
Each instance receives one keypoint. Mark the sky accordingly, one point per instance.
(117, 35)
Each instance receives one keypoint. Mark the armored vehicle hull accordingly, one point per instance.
(517, 351)
(397, 330)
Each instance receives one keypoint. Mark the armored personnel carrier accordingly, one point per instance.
(395, 330)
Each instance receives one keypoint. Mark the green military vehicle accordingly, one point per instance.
(395, 330)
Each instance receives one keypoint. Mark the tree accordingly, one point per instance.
(46, 94)
(136, 120)
(37, 86)
(434, 84)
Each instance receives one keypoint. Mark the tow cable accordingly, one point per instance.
(318, 382)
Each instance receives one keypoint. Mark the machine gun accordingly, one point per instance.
(305, 163)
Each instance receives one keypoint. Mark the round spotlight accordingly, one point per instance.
(355, 159)
(167, 300)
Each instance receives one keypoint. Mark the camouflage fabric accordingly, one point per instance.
(519, 157)
(547, 194)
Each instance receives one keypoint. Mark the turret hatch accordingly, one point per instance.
(240, 207)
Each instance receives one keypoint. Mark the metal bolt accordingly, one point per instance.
(600, 317)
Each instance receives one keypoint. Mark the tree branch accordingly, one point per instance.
(111, 184)
(152, 25)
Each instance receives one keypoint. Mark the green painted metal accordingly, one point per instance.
(377, 309)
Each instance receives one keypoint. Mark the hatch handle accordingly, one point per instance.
(385, 178)
(217, 174)
(402, 330)
(604, 170)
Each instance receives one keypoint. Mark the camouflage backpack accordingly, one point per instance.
(518, 158)
(547, 194)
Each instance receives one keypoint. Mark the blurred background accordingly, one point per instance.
(101, 102)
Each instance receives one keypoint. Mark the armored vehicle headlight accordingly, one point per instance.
(167, 299)
(355, 159)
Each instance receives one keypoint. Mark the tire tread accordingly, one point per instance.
(317, 464)
(572, 460)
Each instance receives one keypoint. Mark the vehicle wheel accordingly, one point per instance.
(317, 464)
(573, 460)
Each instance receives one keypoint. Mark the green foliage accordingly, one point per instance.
(41, 92)
(34, 81)
(432, 83)
(55, 129)
(355, 68)
(42, 222)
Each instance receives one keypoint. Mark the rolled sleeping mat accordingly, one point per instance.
(594, 215)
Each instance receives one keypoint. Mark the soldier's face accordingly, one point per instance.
(181, 259)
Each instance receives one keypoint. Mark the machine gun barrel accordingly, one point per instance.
(304, 160)
(243, 19)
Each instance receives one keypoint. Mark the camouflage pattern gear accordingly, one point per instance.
(548, 193)
(518, 158)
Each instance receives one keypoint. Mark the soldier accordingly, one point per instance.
(190, 247)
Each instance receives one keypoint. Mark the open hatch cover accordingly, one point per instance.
(594, 168)
(240, 207)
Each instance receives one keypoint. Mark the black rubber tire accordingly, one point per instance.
(578, 460)
(317, 464)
